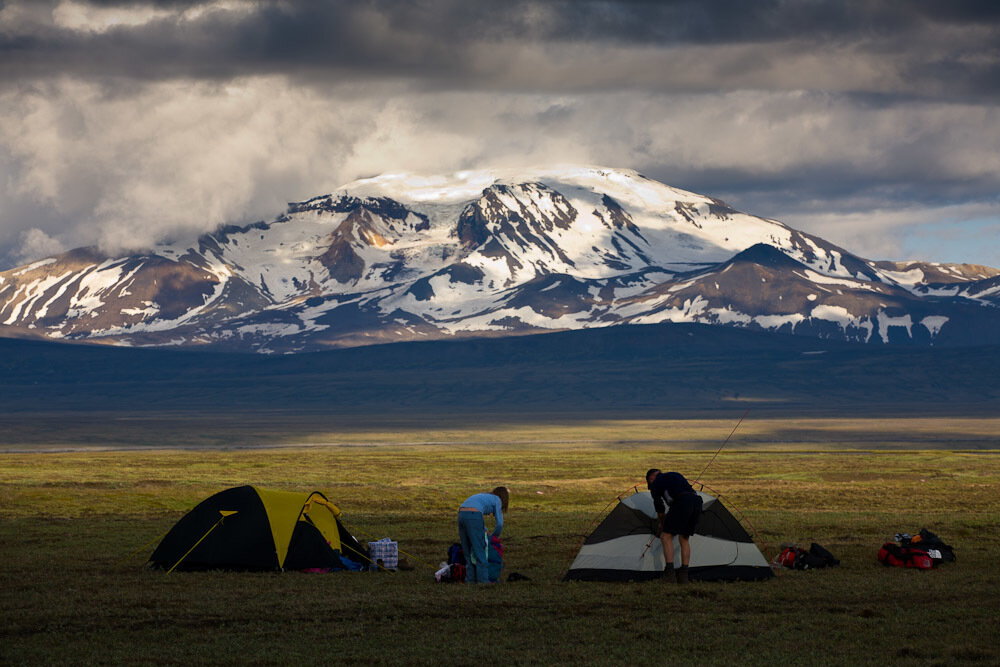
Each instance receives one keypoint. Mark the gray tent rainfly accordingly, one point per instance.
(721, 548)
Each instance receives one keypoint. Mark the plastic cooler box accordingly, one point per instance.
(385, 550)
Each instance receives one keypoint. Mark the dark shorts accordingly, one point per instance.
(683, 515)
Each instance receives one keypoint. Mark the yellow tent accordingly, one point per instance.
(247, 528)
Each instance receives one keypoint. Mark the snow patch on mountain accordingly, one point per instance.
(933, 323)
(885, 321)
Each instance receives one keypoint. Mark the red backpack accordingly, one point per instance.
(893, 554)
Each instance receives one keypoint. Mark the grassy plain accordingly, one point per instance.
(76, 526)
(762, 429)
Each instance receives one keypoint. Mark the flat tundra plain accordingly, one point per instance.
(84, 499)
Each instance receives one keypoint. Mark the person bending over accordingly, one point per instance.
(671, 489)
(472, 530)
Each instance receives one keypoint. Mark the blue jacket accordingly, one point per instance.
(487, 503)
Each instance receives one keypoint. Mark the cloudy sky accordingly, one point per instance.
(872, 123)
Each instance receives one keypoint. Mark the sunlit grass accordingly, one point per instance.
(72, 594)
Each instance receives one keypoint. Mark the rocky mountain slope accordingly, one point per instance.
(489, 253)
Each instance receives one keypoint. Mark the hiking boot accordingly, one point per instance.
(682, 575)
(669, 574)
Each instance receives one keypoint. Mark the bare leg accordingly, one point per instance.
(668, 547)
(685, 550)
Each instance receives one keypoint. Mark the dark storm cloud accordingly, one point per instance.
(124, 121)
(538, 45)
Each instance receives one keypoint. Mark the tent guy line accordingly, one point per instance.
(702, 473)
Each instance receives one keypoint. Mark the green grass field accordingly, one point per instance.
(77, 526)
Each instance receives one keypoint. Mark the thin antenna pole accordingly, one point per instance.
(698, 478)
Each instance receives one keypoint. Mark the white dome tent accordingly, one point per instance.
(623, 548)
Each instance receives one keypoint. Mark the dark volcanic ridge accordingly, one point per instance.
(664, 370)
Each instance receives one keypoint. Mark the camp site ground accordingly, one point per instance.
(77, 525)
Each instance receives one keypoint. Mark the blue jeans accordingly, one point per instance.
(472, 533)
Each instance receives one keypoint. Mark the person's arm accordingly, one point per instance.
(499, 515)
(656, 490)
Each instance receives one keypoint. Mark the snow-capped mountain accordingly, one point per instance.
(402, 257)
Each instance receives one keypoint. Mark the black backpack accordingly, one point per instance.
(800, 559)
(819, 557)
(934, 546)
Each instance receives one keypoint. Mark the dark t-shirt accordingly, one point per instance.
(666, 487)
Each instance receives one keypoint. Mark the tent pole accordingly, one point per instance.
(214, 526)
(724, 443)
(698, 478)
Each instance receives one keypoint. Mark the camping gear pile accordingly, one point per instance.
(624, 546)
(796, 558)
(453, 570)
(922, 551)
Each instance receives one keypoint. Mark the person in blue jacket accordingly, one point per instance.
(671, 489)
(472, 530)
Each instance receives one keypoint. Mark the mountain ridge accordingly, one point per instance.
(484, 253)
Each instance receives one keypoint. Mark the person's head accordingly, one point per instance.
(651, 475)
(503, 494)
